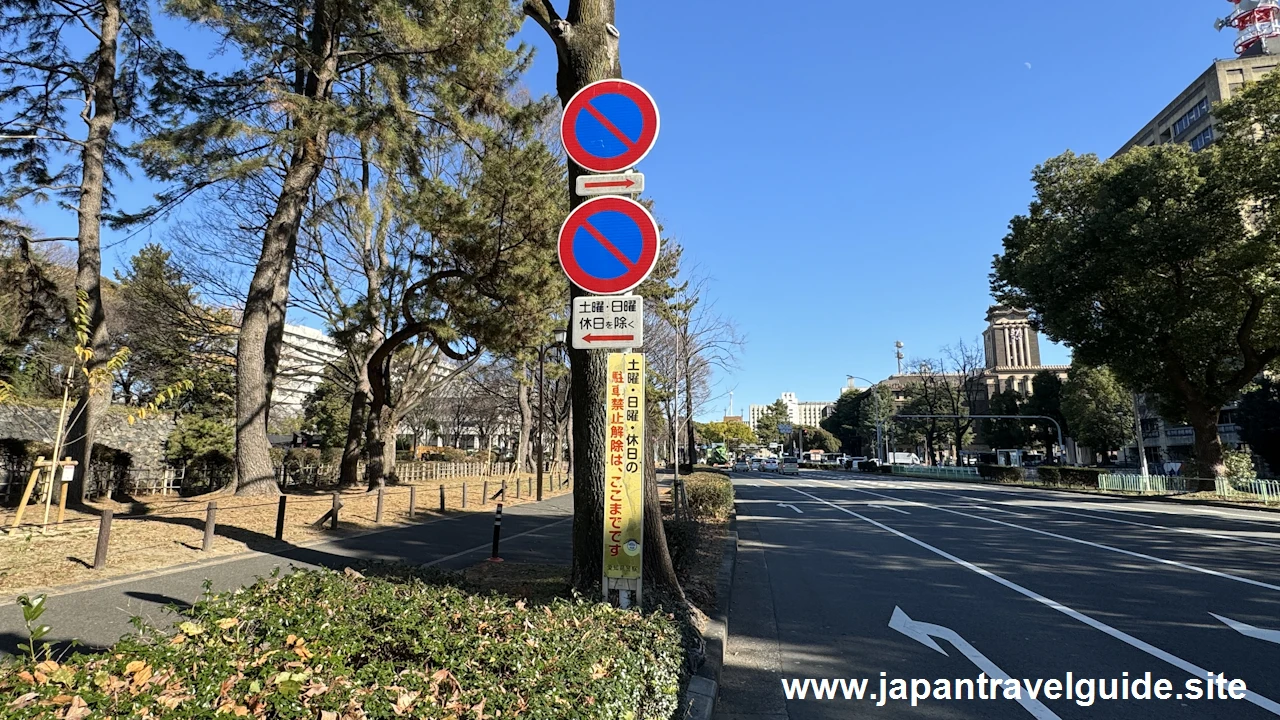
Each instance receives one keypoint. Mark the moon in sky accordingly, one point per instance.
(1028, 65)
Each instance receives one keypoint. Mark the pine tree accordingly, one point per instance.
(315, 69)
(71, 71)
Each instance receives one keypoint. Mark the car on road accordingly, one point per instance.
(741, 465)
(789, 466)
(756, 463)
(770, 465)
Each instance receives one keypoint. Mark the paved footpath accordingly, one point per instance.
(97, 615)
(871, 578)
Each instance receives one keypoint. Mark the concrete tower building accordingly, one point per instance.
(1012, 349)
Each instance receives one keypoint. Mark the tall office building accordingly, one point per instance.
(1189, 118)
(798, 412)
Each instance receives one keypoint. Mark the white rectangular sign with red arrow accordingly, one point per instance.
(620, 184)
(610, 321)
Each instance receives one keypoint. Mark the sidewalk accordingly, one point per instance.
(97, 615)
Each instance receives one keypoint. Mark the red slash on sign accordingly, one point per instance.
(607, 338)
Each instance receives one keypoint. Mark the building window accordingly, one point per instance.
(1190, 117)
(1201, 141)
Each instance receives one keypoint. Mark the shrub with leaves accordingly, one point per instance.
(1239, 464)
(328, 645)
(1069, 476)
(710, 494)
(1002, 473)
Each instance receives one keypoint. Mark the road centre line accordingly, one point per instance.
(1189, 667)
(1189, 531)
(1100, 546)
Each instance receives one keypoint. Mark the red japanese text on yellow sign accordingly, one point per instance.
(624, 467)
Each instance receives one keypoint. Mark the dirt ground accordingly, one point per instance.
(157, 531)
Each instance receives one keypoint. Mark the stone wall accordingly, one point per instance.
(144, 440)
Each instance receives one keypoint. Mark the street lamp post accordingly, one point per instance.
(879, 425)
(542, 361)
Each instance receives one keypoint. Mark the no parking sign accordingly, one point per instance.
(609, 125)
(608, 245)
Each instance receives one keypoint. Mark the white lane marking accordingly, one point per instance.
(993, 509)
(1190, 531)
(1130, 504)
(1271, 636)
(1068, 538)
(1189, 667)
(793, 507)
(486, 546)
(888, 507)
(924, 633)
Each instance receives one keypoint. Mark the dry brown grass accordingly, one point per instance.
(158, 532)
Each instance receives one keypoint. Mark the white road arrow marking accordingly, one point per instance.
(888, 507)
(1271, 636)
(924, 633)
(793, 507)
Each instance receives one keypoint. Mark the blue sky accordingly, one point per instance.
(844, 171)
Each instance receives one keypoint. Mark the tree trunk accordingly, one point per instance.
(349, 473)
(380, 427)
(1209, 459)
(90, 406)
(273, 348)
(254, 474)
(659, 571)
(587, 52)
(523, 460)
(691, 438)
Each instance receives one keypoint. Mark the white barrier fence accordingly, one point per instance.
(936, 472)
(1151, 484)
(1258, 490)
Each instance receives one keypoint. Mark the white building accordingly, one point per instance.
(798, 412)
(303, 359)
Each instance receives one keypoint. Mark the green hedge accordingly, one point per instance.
(1002, 473)
(868, 465)
(322, 644)
(710, 494)
(1070, 476)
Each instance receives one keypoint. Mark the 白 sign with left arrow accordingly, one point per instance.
(611, 321)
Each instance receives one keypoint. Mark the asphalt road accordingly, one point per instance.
(851, 576)
(97, 616)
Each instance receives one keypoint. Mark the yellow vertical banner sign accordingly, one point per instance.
(624, 467)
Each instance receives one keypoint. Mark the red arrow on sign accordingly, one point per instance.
(611, 184)
(605, 338)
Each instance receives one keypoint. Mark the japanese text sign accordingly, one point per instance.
(624, 467)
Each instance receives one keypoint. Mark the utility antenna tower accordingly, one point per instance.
(898, 354)
(1257, 24)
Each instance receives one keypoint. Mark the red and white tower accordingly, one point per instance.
(1257, 24)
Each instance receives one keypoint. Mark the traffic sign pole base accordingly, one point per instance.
(495, 559)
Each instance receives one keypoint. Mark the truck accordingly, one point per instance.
(900, 458)
(718, 456)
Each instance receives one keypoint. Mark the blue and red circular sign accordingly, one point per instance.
(608, 245)
(609, 125)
